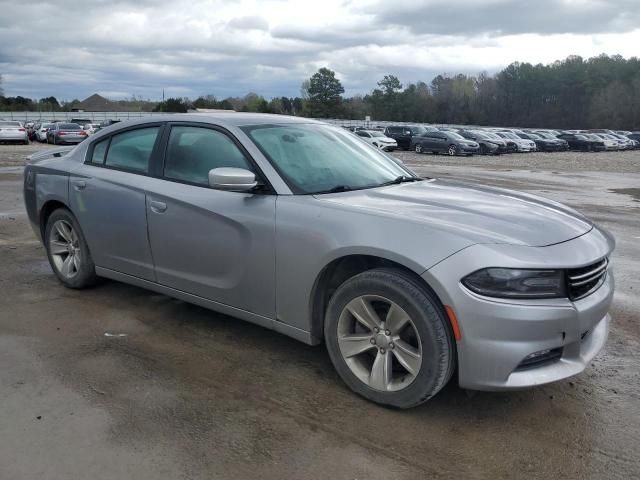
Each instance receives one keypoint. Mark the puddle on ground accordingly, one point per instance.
(634, 192)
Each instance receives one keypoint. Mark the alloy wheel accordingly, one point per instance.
(379, 343)
(64, 247)
(453, 150)
(418, 148)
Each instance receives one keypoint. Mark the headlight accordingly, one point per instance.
(516, 283)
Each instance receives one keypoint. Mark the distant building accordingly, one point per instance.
(96, 103)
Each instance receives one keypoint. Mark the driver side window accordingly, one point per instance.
(193, 151)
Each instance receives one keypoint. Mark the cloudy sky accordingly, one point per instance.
(119, 48)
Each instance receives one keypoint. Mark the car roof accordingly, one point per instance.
(235, 119)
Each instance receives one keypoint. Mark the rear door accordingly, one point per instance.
(107, 195)
(215, 244)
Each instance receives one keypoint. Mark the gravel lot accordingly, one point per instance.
(187, 393)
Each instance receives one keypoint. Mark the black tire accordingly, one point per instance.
(452, 148)
(86, 274)
(418, 148)
(428, 316)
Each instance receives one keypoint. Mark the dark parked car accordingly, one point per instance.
(403, 134)
(554, 136)
(451, 143)
(61, 133)
(581, 142)
(543, 144)
(488, 145)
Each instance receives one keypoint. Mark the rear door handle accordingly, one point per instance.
(158, 207)
(79, 185)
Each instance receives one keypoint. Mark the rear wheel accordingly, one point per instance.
(418, 148)
(453, 150)
(68, 251)
(389, 339)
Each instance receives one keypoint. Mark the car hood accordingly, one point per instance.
(480, 214)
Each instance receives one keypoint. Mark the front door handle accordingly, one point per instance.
(158, 207)
(79, 185)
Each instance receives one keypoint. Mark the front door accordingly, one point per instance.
(215, 244)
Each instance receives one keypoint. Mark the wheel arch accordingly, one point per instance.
(45, 212)
(340, 269)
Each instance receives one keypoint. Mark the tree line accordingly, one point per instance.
(602, 91)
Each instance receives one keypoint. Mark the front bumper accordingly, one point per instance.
(498, 334)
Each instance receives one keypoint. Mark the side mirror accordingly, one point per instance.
(232, 179)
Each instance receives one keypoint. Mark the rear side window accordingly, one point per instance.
(98, 152)
(193, 151)
(131, 150)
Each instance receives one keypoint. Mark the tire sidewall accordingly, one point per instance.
(426, 312)
(87, 274)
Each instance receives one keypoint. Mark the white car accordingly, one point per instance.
(91, 128)
(523, 144)
(377, 139)
(41, 132)
(11, 131)
(610, 143)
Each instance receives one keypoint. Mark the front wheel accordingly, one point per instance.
(68, 251)
(453, 150)
(388, 338)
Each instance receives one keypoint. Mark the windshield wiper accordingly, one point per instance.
(336, 189)
(401, 179)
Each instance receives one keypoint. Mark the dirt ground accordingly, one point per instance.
(117, 382)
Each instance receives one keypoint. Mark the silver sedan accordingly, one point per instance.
(302, 228)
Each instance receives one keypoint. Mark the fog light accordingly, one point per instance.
(540, 358)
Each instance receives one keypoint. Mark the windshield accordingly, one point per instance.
(546, 135)
(481, 135)
(491, 135)
(69, 126)
(454, 135)
(418, 130)
(533, 136)
(375, 133)
(319, 158)
(509, 135)
(581, 137)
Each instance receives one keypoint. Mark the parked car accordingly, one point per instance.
(406, 280)
(31, 130)
(448, 142)
(62, 133)
(488, 145)
(510, 144)
(13, 132)
(609, 142)
(377, 139)
(582, 142)
(564, 145)
(41, 131)
(403, 134)
(91, 128)
(522, 144)
(543, 144)
(627, 143)
(634, 136)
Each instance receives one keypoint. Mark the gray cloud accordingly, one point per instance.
(507, 17)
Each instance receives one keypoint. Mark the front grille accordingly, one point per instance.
(586, 280)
